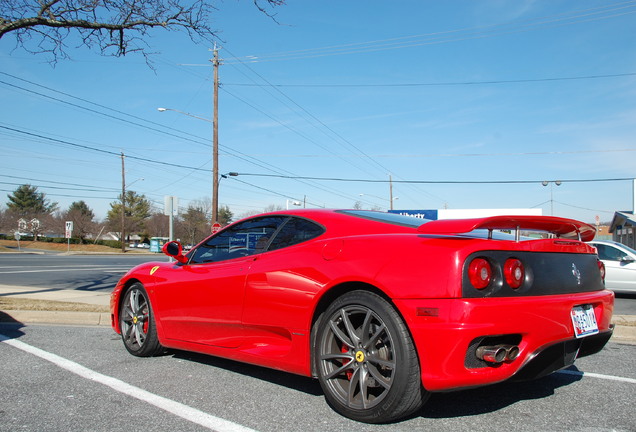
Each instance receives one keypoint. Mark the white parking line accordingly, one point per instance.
(601, 376)
(184, 411)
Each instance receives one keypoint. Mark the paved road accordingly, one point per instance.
(81, 272)
(83, 379)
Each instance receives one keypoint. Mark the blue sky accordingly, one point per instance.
(436, 95)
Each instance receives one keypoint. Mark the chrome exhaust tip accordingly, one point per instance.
(512, 353)
(497, 354)
(492, 354)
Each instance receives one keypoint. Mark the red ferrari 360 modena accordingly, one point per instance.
(382, 309)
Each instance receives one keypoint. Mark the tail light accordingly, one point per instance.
(480, 273)
(514, 272)
(601, 268)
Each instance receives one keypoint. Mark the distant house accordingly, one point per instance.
(623, 228)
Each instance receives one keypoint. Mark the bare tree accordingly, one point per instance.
(157, 225)
(195, 224)
(112, 27)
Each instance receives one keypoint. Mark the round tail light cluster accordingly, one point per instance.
(480, 273)
(601, 267)
(514, 272)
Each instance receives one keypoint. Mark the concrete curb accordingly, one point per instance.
(56, 317)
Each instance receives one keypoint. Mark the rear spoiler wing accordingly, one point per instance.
(560, 227)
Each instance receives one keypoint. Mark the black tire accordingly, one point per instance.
(137, 323)
(365, 360)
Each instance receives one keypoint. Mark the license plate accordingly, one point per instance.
(584, 321)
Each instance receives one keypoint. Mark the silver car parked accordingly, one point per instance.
(620, 265)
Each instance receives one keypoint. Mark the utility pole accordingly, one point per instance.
(391, 191)
(215, 140)
(122, 236)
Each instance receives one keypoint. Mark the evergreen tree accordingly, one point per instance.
(225, 215)
(137, 211)
(26, 202)
(195, 224)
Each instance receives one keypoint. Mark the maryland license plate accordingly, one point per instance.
(584, 321)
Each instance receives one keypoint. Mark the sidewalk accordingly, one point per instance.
(625, 330)
(98, 298)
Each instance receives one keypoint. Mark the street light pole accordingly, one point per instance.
(215, 135)
(545, 183)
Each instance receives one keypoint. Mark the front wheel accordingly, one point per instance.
(366, 361)
(137, 323)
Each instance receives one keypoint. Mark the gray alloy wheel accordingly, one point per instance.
(366, 361)
(136, 320)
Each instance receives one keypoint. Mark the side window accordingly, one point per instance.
(247, 238)
(295, 230)
(609, 253)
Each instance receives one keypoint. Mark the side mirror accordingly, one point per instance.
(627, 259)
(175, 250)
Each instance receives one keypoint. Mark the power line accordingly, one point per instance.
(62, 188)
(72, 196)
(234, 153)
(52, 181)
(434, 155)
(454, 35)
(112, 153)
(318, 124)
(337, 179)
(447, 83)
(108, 152)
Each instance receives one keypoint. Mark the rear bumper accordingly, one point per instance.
(447, 331)
(562, 355)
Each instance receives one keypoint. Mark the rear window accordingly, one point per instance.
(392, 218)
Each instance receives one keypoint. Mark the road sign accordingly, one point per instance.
(216, 227)
(170, 205)
(69, 229)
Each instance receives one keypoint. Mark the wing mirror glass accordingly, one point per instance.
(175, 250)
(627, 259)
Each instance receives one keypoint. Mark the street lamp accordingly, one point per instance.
(184, 113)
(294, 203)
(545, 183)
(385, 199)
(215, 160)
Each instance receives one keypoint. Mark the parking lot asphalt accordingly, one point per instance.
(625, 325)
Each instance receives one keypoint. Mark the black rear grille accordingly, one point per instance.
(546, 274)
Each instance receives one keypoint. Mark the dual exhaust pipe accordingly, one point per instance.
(497, 354)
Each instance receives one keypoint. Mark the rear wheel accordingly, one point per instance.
(366, 361)
(137, 323)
